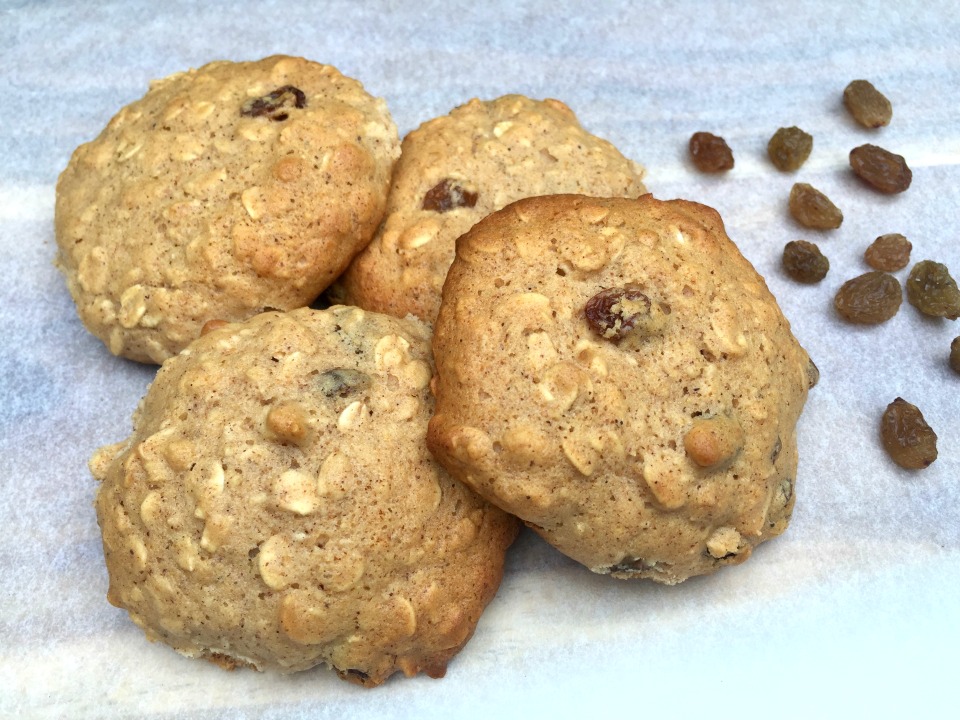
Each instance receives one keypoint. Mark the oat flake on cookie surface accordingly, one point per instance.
(276, 505)
(615, 373)
(224, 191)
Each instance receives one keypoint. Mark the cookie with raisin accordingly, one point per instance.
(224, 191)
(615, 373)
(276, 506)
(458, 168)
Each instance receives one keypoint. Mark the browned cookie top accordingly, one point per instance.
(615, 373)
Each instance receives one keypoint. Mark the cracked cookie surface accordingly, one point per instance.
(224, 191)
(276, 505)
(616, 374)
(458, 168)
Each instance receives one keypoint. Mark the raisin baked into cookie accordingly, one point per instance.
(455, 170)
(224, 191)
(615, 373)
(276, 505)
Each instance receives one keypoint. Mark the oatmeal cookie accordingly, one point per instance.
(455, 170)
(276, 505)
(224, 191)
(615, 373)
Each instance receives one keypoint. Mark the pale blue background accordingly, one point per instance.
(853, 613)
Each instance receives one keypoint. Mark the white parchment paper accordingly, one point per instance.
(854, 612)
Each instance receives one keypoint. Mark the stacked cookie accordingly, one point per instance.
(223, 192)
(615, 373)
(609, 369)
(457, 169)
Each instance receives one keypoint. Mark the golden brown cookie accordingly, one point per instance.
(276, 505)
(455, 170)
(224, 191)
(616, 374)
